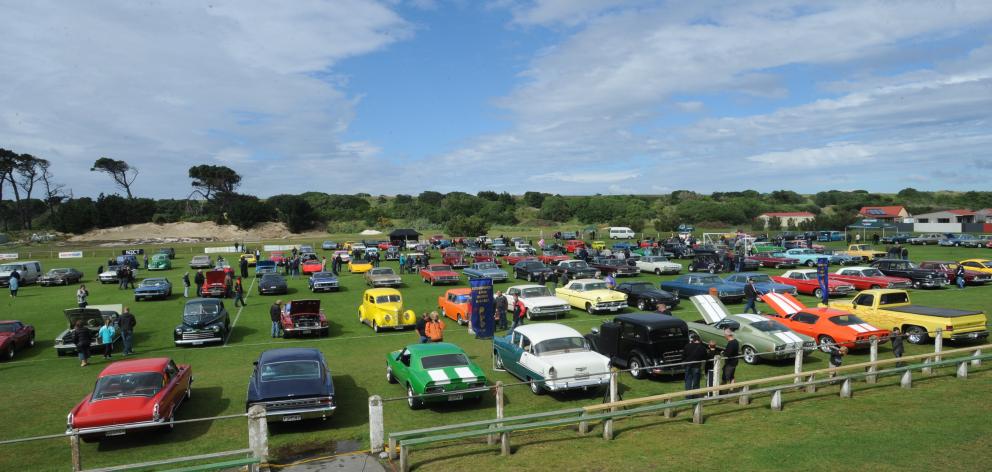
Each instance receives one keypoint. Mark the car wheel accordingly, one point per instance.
(750, 355)
(589, 309)
(826, 342)
(411, 400)
(375, 327)
(10, 352)
(917, 284)
(634, 364)
(389, 375)
(535, 387)
(818, 293)
(876, 287)
(917, 335)
(778, 266)
(530, 277)
(432, 282)
(712, 270)
(657, 272)
(497, 361)
(810, 263)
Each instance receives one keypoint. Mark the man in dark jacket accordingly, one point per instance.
(244, 267)
(82, 338)
(199, 279)
(959, 276)
(422, 328)
(750, 296)
(695, 354)
(500, 305)
(275, 311)
(127, 322)
(730, 354)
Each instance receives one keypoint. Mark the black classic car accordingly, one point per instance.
(293, 384)
(62, 276)
(205, 320)
(272, 284)
(646, 296)
(922, 278)
(678, 249)
(617, 267)
(576, 269)
(642, 342)
(531, 270)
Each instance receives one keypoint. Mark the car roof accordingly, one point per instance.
(154, 364)
(375, 292)
(433, 349)
(209, 301)
(153, 279)
(459, 291)
(584, 281)
(289, 354)
(543, 331)
(649, 320)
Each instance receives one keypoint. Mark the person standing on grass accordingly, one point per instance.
(186, 285)
(422, 328)
(146, 261)
(15, 283)
(959, 276)
(519, 312)
(897, 346)
(836, 358)
(499, 315)
(81, 296)
(244, 267)
(750, 296)
(127, 322)
(730, 353)
(274, 313)
(694, 354)
(228, 285)
(435, 328)
(239, 293)
(82, 338)
(106, 335)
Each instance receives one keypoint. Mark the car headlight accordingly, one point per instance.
(215, 328)
(552, 373)
(179, 331)
(387, 318)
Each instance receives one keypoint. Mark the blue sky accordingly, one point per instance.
(562, 96)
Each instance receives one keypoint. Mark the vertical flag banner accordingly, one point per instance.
(822, 276)
(482, 308)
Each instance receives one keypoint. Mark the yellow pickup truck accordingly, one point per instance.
(889, 308)
(865, 251)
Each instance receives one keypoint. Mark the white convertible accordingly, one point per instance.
(538, 301)
(658, 265)
(552, 357)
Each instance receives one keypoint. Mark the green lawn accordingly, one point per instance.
(883, 428)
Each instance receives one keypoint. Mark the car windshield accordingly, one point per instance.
(769, 326)
(10, 267)
(704, 280)
(322, 275)
(872, 273)
(383, 271)
(486, 266)
(461, 298)
(387, 299)
(440, 268)
(290, 370)
(578, 265)
(570, 344)
(656, 259)
(640, 286)
(8, 327)
(198, 311)
(987, 264)
(535, 292)
(595, 286)
(759, 278)
(612, 262)
(271, 279)
(846, 320)
(444, 360)
(201, 258)
(58, 271)
(665, 333)
(153, 283)
(138, 384)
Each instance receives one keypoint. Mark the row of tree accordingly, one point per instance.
(38, 201)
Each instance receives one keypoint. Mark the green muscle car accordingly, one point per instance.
(759, 337)
(436, 368)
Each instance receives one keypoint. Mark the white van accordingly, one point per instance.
(28, 270)
(621, 232)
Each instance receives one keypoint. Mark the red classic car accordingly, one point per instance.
(767, 259)
(278, 257)
(437, 238)
(215, 284)
(438, 274)
(311, 265)
(303, 317)
(864, 278)
(516, 256)
(828, 326)
(806, 282)
(137, 393)
(383, 245)
(15, 335)
(484, 256)
(573, 245)
(949, 269)
(454, 258)
(553, 257)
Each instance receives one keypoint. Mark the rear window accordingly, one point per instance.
(846, 320)
(893, 298)
(140, 384)
(290, 370)
(444, 360)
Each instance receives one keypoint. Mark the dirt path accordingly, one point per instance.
(191, 232)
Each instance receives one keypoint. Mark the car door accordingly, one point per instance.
(170, 394)
(21, 335)
(805, 323)
(530, 365)
(509, 353)
(511, 297)
(401, 368)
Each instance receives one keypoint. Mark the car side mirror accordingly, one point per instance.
(595, 331)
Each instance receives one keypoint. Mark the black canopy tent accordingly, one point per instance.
(404, 234)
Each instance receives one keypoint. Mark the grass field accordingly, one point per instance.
(943, 422)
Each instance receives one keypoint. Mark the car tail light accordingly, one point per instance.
(68, 420)
(948, 328)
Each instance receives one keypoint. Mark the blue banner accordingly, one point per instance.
(482, 308)
(823, 276)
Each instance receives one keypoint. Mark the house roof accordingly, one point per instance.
(781, 214)
(961, 212)
(881, 211)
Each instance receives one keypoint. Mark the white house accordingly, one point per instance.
(946, 221)
(795, 217)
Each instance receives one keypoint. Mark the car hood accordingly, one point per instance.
(200, 321)
(277, 283)
(603, 295)
(544, 301)
(113, 411)
(151, 288)
(446, 375)
(89, 316)
(288, 389)
(654, 293)
(490, 271)
(299, 307)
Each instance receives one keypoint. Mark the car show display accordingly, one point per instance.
(645, 343)
(92, 318)
(760, 337)
(303, 318)
(551, 357)
(537, 301)
(205, 320)
(592, 295)
(383, 308)
(435, 372)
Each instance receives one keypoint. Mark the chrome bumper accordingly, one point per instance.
(572, 384)
(197, 342)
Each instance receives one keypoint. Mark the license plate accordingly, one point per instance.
(116, 432)
(306, 331)
(457, 397)
(289, 418)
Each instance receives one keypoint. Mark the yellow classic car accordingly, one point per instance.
(347, 245)
(382, 308)
(864, 251)
(978, 265)
(592, 295)
(888, 308)
(598, 245)
(250, 258)
(359, 266)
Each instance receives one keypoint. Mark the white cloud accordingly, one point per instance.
(691, 106)
(591, 177)
(570, 12)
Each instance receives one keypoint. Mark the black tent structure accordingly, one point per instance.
(404, 234)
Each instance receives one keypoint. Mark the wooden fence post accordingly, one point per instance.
(258, 433)
(504, 437)
(798, 367)
(907, 379)
(697, 412)
(376, 429)
(872, 378)
(777, 401)
(77, 461)
(963, 370)
(938, 347)
(404, 460)
(668, 412)
(717, 374)
(926, 367)
(845, 388)
(810, 386)
(745, 398)
(614, 396)
(491, 439)
(977, 362)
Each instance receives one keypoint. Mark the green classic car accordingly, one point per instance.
(441, 370)
(160, 262)
(759, 337)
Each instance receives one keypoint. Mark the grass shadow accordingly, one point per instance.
(239, 333)
(205, 402)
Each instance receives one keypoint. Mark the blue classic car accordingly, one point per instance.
(328, 245)
(808, 257)
(700, 284)
(293, 384)
(485, 270)
(152, 288)
(265, 267)
(762, 283)
(956, 240)
(323, 282)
